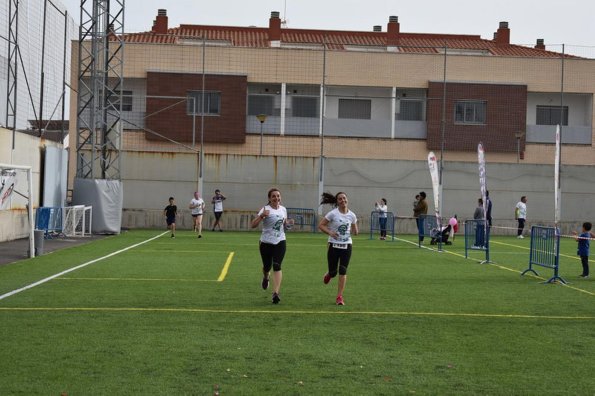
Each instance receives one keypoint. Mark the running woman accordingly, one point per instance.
(339, 224)
(273, 217)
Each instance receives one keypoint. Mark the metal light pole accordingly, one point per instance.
(262, 118)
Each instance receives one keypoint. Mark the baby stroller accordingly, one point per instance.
(440, 236)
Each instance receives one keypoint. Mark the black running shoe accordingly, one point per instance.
(265, 283)
(276, 298)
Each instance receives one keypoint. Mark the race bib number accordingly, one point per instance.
(340, 245)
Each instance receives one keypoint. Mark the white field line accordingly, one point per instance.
(49, 278)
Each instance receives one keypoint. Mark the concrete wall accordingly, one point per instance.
(14, 222)
(245, 181)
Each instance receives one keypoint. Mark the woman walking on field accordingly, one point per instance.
(339, 224)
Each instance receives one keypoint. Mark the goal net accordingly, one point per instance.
(77, 220)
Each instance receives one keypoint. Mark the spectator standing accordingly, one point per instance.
(479, 216)
(488, 209)
(382, 210)
(420, 208)
(584, 240)
(217, 202)
(520, 214)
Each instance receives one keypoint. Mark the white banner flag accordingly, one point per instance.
(433, 165)
(557, 190)
(7, 181)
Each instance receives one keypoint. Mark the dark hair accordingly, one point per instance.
(272, 190)
(384, 200)
(170, 198)
(422, 194)
(328, 198)
(487, 193)
(217, 191)
(480, 201)
(587, 226)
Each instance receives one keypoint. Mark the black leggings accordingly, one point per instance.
(272, 255)
(521, 226)
(338, 260)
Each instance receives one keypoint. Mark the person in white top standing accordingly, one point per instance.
(217, 202)
(382, 210)
(520, 214)
(339, 224)
(197, 206)
(273, 217)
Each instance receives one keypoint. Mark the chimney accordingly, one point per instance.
(540, 44)
(110, 31)
(275, 27)
(377, 28)
(392, 31)
(160, 24)
(503, 34)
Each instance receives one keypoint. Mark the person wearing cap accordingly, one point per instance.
(217, 202)
(421, 208)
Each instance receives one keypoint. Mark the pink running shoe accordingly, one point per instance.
(340, 300)
(327, 278)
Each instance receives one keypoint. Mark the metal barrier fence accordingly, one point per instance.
(477, 237)
(545, 251)
(382, 224)
(303, 219)
(49, 220)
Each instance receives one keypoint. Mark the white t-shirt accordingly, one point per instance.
(382, 209)
(341, 224)
(197, 206)
(522, 207)
(273, 231)
(217, 204)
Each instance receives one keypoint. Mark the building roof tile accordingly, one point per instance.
(258, 37)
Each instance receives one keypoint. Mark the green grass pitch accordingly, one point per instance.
(184, 316)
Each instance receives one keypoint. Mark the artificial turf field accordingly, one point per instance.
(147, 314)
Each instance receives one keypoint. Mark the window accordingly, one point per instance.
(114, 100)
(212, 105)
(360, 109)
(410, 110)
(550, 115)
(470, 112)
(304, 106)
(261, 104)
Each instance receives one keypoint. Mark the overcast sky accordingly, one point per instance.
(557, 22)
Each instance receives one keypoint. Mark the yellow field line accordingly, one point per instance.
(298, 312)
(225, 267)
(138, 279)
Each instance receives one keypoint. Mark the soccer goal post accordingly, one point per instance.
(77, 220)
(11, 183)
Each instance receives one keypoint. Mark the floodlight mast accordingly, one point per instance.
(100, 87)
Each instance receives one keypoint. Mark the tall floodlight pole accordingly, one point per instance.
(100, 84)
(442, 128)
(321, 131)
(202, 122)
(13, 50)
